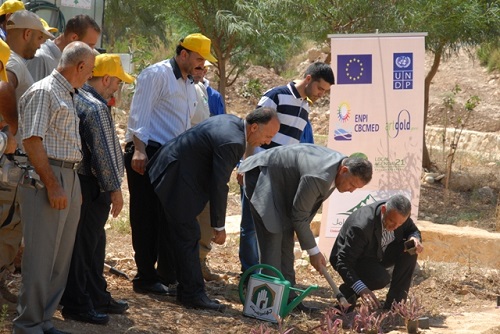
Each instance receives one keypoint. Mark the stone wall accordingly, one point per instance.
(484, 145)
(464, 245)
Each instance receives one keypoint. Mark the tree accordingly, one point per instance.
(450, 24)
(125, 19)
(241, 31)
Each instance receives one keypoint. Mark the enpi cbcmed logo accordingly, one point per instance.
(401, 124)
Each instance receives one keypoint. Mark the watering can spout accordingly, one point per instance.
(300, 297)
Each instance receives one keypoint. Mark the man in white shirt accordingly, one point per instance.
(162, 107)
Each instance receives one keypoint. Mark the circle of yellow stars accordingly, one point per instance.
(361, 69)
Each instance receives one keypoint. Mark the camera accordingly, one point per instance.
(410, 247)
(10, 173)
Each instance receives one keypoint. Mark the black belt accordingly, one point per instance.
(64, 164)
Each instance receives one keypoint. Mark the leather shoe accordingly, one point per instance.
(113, 307)
(306, 309)
(204, 303)
(155, 288)
(91, 317)
(53, 330)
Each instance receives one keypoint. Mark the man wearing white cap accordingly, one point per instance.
(162, 107)
(25, 35)
(101, 172)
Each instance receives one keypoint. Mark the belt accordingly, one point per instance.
(64, 164)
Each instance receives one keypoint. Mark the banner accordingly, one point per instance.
(376, 108)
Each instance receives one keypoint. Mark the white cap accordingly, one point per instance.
(24, 19)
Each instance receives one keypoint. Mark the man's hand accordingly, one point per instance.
(239, 178)
(57, 197)
(369, 299)
(116, 203)
(139, 161)
(219, 237)
(11, 143)
(317, 261)
(418, 245)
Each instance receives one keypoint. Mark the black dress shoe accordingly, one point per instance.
(91, 317)
(113, 307)
(204, 303)
(155, 288)
(53, 330)
(306, 309)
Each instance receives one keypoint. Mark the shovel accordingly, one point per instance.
(340, 297)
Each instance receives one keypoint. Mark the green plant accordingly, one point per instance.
(252, 89)
(121, 224)
(3, 315)
(458, 118)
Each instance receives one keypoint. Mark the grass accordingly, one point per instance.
(121, 224)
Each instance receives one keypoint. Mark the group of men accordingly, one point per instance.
(72, 179)
(179, 160)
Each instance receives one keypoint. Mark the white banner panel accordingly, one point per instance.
(376, 108)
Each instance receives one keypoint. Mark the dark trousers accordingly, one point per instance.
(249, 249)
(181, 207)
(375, 276)
(86, 285)
(151, 245)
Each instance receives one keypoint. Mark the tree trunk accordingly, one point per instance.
(426, 160)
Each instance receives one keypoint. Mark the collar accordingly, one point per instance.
(294, 90)
(89, 89)
(177, 70)
(64, 82)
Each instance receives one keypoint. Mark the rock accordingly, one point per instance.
(486, 195)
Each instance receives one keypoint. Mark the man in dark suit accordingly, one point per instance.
(194, 168)
(286, 186)
(371, 240)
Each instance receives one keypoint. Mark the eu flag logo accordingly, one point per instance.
(354, 69)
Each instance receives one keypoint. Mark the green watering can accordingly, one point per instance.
(267, 296)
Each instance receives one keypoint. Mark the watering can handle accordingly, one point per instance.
(253, 269)
(339, 295)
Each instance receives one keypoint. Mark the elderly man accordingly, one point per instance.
(371, 240)
(101, 171)
(191, 170)
(81, 28)
(49, 130)
(162, 107)
(286, 186)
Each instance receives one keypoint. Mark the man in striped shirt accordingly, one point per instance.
(291, 103)
(162, 107)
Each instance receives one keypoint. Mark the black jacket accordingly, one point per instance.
(360, 238)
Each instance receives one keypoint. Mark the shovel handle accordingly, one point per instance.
(340, 297)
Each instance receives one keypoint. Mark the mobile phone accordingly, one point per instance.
(410, 246)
